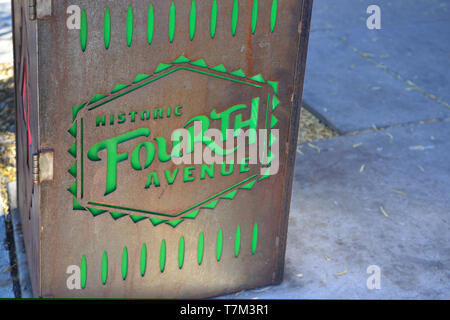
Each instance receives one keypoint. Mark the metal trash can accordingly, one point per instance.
(104, 90)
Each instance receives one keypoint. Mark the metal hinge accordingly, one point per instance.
(42, 169)
(39, 9)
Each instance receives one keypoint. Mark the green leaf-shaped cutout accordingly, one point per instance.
(104, 267)
(265, 175)
(73, 150)
(238, 73)
(200, 63)
(258, 78)
(119, 86)
(272, 140)
(230, 196)
(192, 215)
(77, 109)
(174, 223)
(275, 102)
(73, 170)
(249, 186)
(157, 221)
(140, 77)
(162, 67)
(181, 59)
(73, 188)
(96, 212)
(274, 86)
(117, 215)
(143, 262)
(73, 130)
(136, 218)
(124, 263)
(273, 121)
(220, 68)
(83, 271)
(210, 205)
(77, 206)
(97, 97)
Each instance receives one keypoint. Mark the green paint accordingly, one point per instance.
(107, 28)
(150, 23)
(192, 20)
(206, 170)
(258, 78)
(249, 186)
(219, 245)
(182, 59)
(82, 158)
(220, 68)
(113, 157)
(140, 77)
(224, 171)
(97, 97)
(213, 19)
(96, 212)
(149, 152)
(73, 130)
(188, 174)
(77, 206)
(170, 177)
(172, 15)
(162, 256)
(83, 271)
(192, 215)
(136, 218)
(275, 102)
(238, 73)
(73, 170)
(181, 252)
(73, 150)
(273, 121)
(255, 238)
(168, 215)
(201, 248)
(77, 109)
(237, 241)
(162, 67)
(143, 264)
(152, 179)
(274, 85)
(273, 15)
(117, 215)
(168, 73)
(73, 188)
(130, 26)
(83, 30)
(200, 63)
(211, 205)
(234, 17)
(254, 16)
(104, 272)
(230, 196)
(272, 139)
(118, 87)
(157, 221)
(174, 223)
(124, 263)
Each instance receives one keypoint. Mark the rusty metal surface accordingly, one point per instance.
(89, 92)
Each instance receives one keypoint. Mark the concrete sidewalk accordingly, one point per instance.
(380, 198)
(358, 78)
